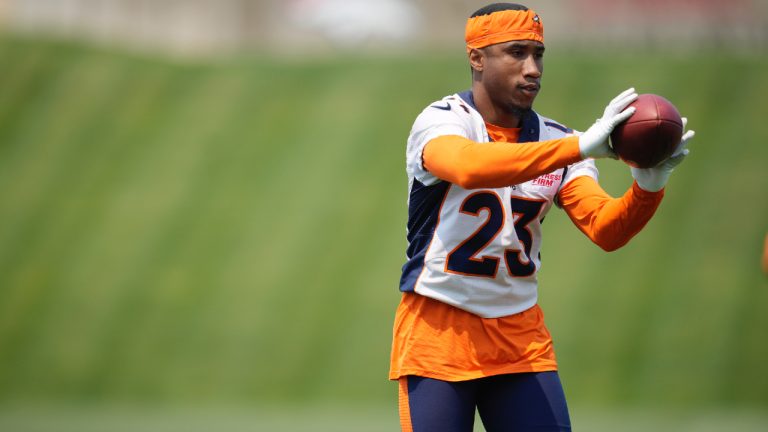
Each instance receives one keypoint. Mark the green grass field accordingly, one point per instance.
(204, 234)
(338, 417)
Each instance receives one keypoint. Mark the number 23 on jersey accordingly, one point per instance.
(464, 260)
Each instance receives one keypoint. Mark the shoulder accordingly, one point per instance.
(448, 116)
(554, 128)
(448, 108)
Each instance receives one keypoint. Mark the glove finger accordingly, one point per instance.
(622, 95)
(624, 102)
(685, 121)
(687, 136)
(683, 142)
(625, 98)
(622, 116)
(674, 161)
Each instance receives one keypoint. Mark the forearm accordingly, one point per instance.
(472, 165)
(609, 222)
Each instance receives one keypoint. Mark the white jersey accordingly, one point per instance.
(477, 249)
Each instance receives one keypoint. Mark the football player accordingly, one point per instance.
(484, 169)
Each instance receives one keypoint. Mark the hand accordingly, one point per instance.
(654, 179)
(594, 142)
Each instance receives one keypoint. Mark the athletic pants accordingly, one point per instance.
(512, 402)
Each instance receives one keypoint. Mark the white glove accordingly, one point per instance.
(594, 142)
(654, 179)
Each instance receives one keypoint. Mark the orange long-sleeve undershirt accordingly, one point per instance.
(471, 165)
(609, 222)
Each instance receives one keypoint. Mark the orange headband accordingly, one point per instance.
(503, 26)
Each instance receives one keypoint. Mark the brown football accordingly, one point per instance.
(650, 135)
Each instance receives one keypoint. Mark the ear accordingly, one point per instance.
(476, 59)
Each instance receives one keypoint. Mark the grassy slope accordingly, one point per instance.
(233, 232)
(677, 315)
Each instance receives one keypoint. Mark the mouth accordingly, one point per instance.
(530, 89)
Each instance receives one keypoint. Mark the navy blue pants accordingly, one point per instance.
(514, 402)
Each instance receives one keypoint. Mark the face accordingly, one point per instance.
(511, 73)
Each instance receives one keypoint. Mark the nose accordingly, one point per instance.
(531, 67)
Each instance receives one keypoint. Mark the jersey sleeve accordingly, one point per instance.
(433, 122)
(585, 168)
(609, 222)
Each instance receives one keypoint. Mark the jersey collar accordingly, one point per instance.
(529, 128)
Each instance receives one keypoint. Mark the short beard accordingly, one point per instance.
(516, 110)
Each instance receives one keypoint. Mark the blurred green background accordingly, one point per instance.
(216, 244)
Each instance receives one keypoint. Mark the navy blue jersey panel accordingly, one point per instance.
(423, 214)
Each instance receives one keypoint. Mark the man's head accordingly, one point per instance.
(505, 45)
